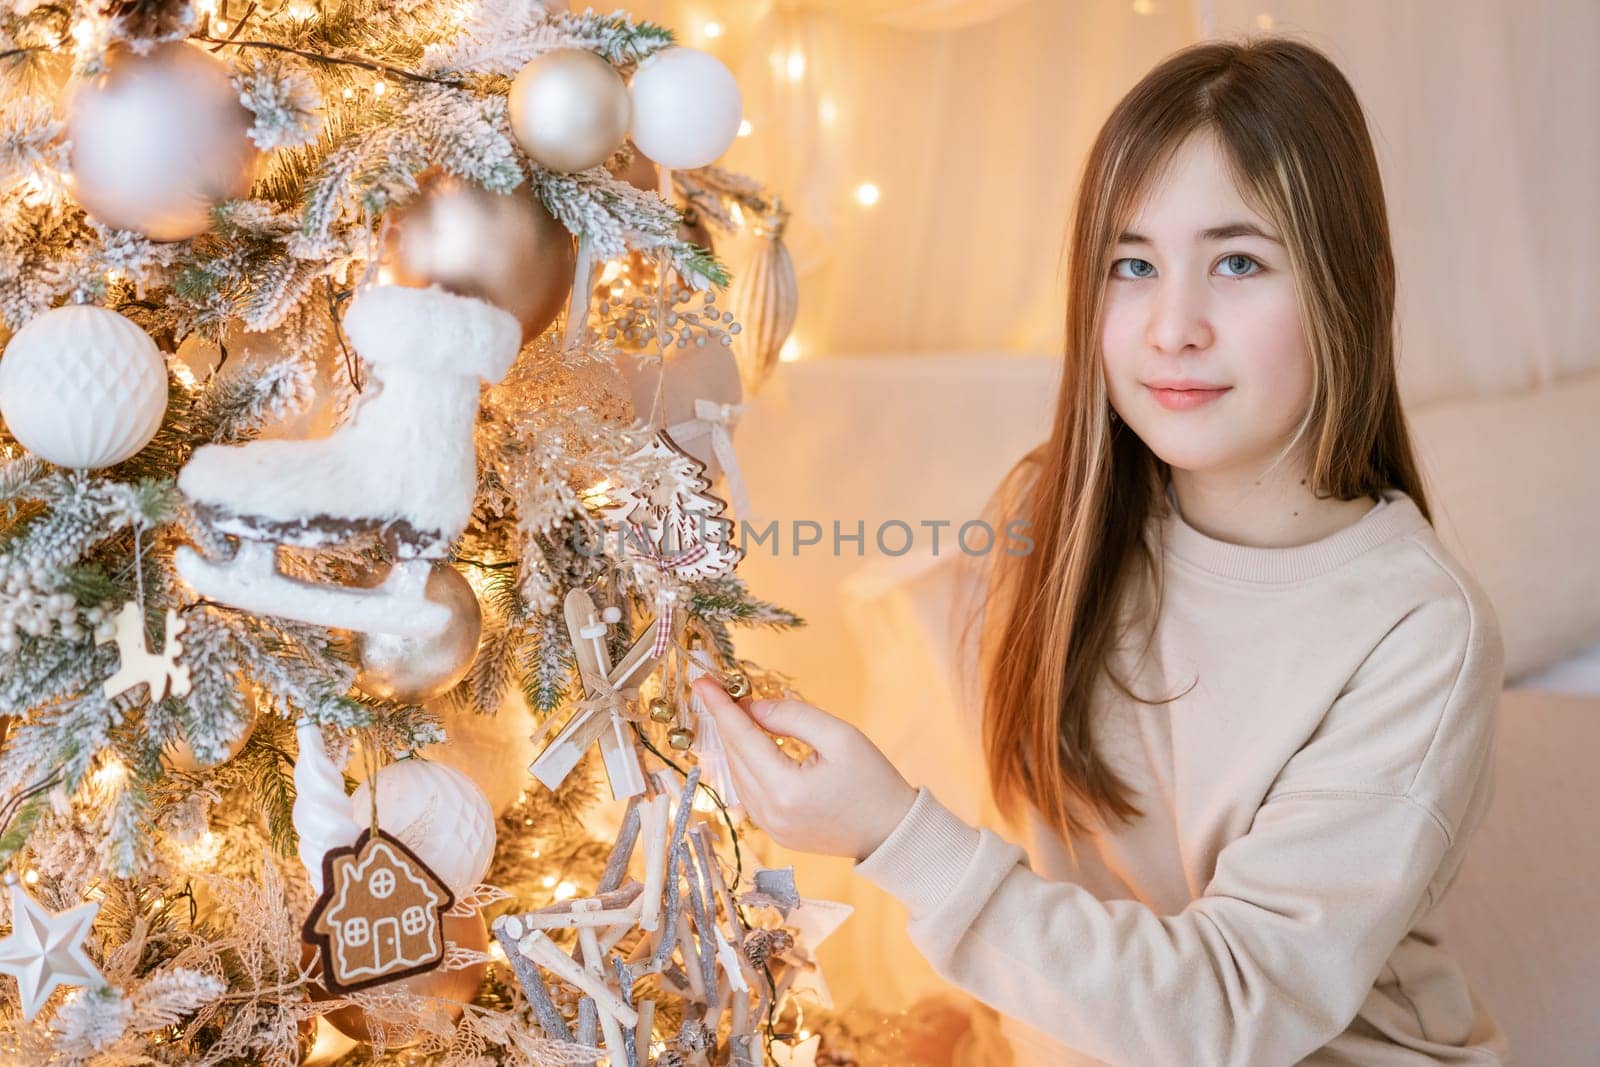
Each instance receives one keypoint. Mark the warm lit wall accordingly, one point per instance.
(1483, 114)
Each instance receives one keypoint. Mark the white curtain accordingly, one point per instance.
(972, 117)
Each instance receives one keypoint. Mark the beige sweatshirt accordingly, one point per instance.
(1306, 805)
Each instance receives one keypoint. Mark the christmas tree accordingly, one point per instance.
(359, 547)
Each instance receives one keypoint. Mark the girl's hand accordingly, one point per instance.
(843, 799)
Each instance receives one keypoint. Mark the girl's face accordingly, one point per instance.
(1199, 294)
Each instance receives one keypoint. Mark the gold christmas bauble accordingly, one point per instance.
(569, 109)
(180, 755)
(680, 738)
(661, 710)
(452, 988)
(158, 140)
(737, 683)
(410, 670)
(501, 247)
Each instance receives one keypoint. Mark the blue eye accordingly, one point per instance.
(1245, 273)
(1143, 262)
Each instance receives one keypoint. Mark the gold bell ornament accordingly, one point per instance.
(737, 683)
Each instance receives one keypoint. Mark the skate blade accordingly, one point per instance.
(252, 582)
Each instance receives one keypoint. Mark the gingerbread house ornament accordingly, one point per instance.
(380, 916)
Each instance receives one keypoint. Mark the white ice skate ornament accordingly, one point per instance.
(601, 716)
(138, 665)
(404, 465)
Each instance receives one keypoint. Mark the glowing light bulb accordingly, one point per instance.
(32, 877)
(828, 111)
(867, 194)
(566, 891)
(795, 65)
(712, 30)
(111, 774)
(378, 87)
(791, 350)
(745, 128)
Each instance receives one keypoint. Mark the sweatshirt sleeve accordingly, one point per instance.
(1302, 911)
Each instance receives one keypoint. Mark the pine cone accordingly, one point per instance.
(761, 945)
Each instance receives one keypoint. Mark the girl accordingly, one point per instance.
(1244, 815)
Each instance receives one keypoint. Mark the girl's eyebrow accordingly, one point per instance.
(1215, 233)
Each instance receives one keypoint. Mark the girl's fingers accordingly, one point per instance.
(740, 734)
(796, 718)
(751, 795)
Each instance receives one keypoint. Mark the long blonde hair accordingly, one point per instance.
(1297, 146)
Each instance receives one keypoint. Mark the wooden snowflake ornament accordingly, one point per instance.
(680, 524)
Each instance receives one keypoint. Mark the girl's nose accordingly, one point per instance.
(1178, 318)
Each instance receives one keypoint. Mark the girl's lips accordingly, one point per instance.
(1184, 399)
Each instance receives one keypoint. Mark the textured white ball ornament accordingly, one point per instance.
(83, 387)
(158, 139)
(437, 812)
(569, 109)
(686, 108)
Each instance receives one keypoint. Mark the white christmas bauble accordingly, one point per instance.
(83, 387)
(686, 108)
(569, 109)
(438, 813)
(158, 139)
